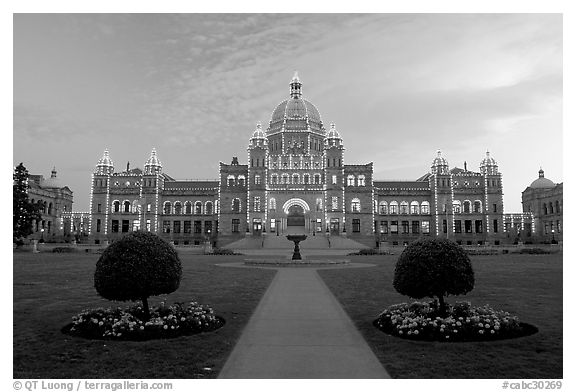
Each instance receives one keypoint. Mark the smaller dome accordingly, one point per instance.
(439, 164)
(488, 165)
(542, 182)
(258, 133)
(153, 164)
(105, 160)
(53, 181)
(333, 133)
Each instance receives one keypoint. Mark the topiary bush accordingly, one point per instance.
(433, 268)
(136, 267)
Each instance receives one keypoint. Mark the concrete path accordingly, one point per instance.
(299, 330)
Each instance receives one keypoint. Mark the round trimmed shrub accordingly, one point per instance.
(433, 268)
(136, 267)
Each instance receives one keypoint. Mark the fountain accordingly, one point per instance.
(296, 238)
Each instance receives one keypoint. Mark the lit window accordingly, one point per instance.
(257, 179)
(350, 180)
(361, 180)
(383, 208)
(167, 208)
(334, 203)
(355, 205)
(414, 207)
(477, 206)
(334, 180)
(393, 207)
(424, 209)
(257, 203)
(404, 207)
(456, 206)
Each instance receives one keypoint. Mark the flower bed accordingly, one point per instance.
(421, 321)
(127, 324)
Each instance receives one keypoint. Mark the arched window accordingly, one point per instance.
(350, 180)
(414, 207)
(295, 179)
(272, 204)
(135, 205)
(116, 206)
(50, 208)
(393, 207)
(306, 178)
(557, 207)
(466, 206)
(208, 210)
(231, 180)
(188, 208)
(126, 205)
(545, 209)
(319, 204)
(361, 180)
(167, 207)
(178, 208)
(316, 178)
(551, 208)
(236, 207)
(477, 206)
(404, 207)
(383, 207)
(198, 208)
(241, 180)
(274, 179)
(456, 206)
(285, 178)
(355, 205)
(425, 207)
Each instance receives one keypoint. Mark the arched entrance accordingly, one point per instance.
(295, 216)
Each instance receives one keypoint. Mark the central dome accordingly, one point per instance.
(296, 113)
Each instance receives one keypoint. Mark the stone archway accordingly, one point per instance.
(296, 211)
(295, 216)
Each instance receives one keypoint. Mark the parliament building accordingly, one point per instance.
(297, 178)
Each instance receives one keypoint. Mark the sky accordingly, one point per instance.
(398, 87)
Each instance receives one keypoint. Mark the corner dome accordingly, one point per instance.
(439, 164)
(542, 182)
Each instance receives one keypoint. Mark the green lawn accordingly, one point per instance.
(50, 288)
(529, 286)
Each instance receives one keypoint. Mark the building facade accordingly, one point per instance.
(296, 178)
(543, 200)
(54, 200)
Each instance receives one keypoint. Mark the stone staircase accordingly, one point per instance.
(315, 243)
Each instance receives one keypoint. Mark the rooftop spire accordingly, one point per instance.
(295, 86)
(541, 173)
(53, 174)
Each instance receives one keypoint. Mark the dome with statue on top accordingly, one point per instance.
(296, 113)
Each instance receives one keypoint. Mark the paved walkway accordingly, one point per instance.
(299, 330)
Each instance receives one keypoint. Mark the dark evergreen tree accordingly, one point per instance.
(24, 211)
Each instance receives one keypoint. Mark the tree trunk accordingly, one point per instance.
(442, 308)
(146, 308)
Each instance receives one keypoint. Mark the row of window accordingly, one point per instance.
(403, 208)
(198, 208)
(423, 227)
(551, 208)
(285, 178)
(553, 227)
(176, 227)
(44, 207)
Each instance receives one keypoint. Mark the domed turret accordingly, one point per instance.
(488, 165)
(296, 113)
(105, 165)
(333, 137)
(542, 182)
(258, 137)
(439, 164)
(153, 164)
